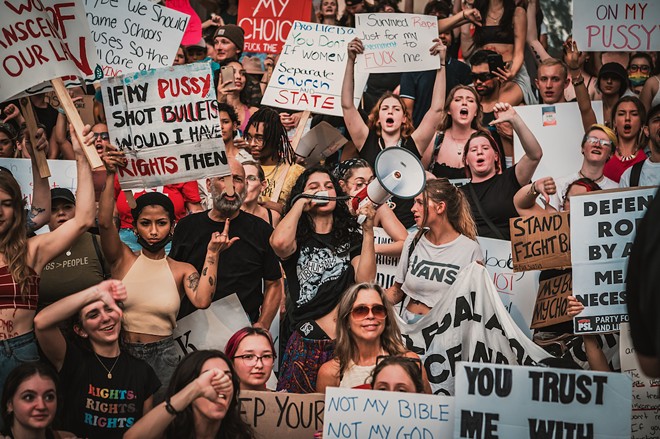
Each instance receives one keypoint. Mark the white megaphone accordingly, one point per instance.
(398, 173)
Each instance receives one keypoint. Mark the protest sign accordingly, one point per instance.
(267, 23)
(377, 414)
(279, 415)
(319, 143)
(549, 403)
(310, 71)
(552, 301)
(134, 35)
(469, 323)
(84, 104)
(212, 327)
(63, 174)
(516, 290)
(560, 142)
(43, 40)
(617, 25)
(603, 228)
(385, 265)
(645, 420)
(166, 121)
(540, 242)
(396, 42)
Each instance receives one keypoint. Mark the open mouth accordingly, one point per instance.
(389, 121)
(627, 127)
(107, 328)
(464, 112)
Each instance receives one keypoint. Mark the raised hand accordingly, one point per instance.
(220, 241)
(572, 57)
(504, 112)
(473, 16)
(545, 186)
(355, 47)
(440, 49)
(113, 158)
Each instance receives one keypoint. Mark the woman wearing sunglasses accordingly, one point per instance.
(366, 329)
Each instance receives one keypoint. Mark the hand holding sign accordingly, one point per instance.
(574, 306)
(112, 159)
(355, 48)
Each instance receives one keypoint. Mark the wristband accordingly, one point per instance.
(60, 110)
(577, 81)
(170, 409)
(532, 190)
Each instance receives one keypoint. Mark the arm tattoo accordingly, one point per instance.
(205, 270)
(32, 214)
(210, 260)
(193, 281)
(211, 281)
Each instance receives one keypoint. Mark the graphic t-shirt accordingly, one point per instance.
(95, 406)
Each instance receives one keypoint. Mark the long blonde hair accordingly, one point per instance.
(458, 211)
(13, 243)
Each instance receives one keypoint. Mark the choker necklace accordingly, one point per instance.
(627, 158)
(106, 369)
(595, 180)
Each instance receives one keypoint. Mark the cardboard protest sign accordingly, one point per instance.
(516, 290)
(603, 228)
(166, 120)
(552, 301)
(212, 327)
(310, 71)
(469, 323)
(645, 420)
(377, 414)
(617, 25)
(84, 105)
(42, 40)
(560, 141)
(319, 143)
(549, 403)
(396, 42)
(135, 35)
(275, 415)
(267, 23)
(385, 265)
(540, 242)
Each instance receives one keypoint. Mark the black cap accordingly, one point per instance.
(617, 70)
(60, 193)
(153, 199)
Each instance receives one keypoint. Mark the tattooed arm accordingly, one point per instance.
(39, 212)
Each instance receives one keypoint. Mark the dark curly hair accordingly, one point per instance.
(344, 225)
(275, 135)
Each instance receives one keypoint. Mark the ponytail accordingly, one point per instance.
(458, 211)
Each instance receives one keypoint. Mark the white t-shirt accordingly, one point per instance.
(650, 175)
(434, 268)
(563, 182)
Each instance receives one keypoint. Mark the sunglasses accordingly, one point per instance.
(637, 67)
(483, 77)
(103, 136)
(362, 311)
(601, 142)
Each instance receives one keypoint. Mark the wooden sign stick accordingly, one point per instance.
(300, 129)
(31, 122)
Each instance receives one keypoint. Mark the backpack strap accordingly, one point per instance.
(635, 173)
(101, 258)
(439, 138)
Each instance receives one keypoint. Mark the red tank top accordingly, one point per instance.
(10, 294)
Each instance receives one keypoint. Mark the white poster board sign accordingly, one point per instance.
(616, 25)
(396, 42)
(645, 420)
(517, 290)
(603, 226)
(43, 40)
(539, 402)
(212, 327)
(134, 35)
(62, 174)
(166, 121)
(385, 265)
(559, 133)
(352, 413)
(310, 70)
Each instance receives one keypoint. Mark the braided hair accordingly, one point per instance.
(274, 134)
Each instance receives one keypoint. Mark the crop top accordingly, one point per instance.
(10, 295)
(496, 35)
(153, 299)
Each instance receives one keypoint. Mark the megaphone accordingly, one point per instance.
(398, 173)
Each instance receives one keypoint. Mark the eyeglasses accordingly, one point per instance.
(642, 68)
(601, 142)
(362, 311)
(394, 359)
(250, 360)
(483, 77)
(252, 178)
(103, 136)
(258, 139)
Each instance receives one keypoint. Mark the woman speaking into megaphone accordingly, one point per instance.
(389, 123)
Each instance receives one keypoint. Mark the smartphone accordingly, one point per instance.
(227, 74)
(495, 61)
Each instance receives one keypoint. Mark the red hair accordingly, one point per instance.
(237, 338)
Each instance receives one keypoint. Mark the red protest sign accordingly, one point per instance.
(267, 22)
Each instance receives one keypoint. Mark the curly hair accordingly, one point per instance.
(233, 425)
(407, 127)
(477, 122)
(275, 135)
(344, 225)
(346, 349)
(13, 243)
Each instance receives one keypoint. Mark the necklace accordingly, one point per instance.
(627, 158)
(595, 180)
(68, 252)
(106, 369)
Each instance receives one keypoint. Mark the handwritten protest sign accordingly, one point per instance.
(617, 25)
(552, 301)
(549, 403)
(516, 290)
(84, 105)
(310, 70)
(42, 40)
(396, 42)
(645, 420)
(134, 35)
(540, 242)
(385, 265)
(166, 120)
(603, 228)
(377, 414)
(469, 323)
(289, 415)
(267, 23)
(63, 174)
(319, 143)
